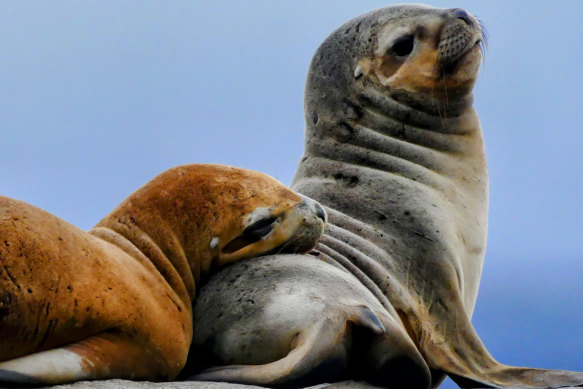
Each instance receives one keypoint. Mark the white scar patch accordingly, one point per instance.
(49, 366)
(214, 242)
(359, 71)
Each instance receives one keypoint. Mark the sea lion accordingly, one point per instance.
(395, 153)
(116, 302)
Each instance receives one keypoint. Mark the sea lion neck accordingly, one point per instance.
(147, 226)
(168, 223)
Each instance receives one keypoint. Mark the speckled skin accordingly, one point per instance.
(116, 302)
(394, 150)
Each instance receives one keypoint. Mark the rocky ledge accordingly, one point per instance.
(123, 384)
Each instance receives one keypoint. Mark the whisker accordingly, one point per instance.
(445, 90)
(446, 102)
(433, 105)
(484, 41)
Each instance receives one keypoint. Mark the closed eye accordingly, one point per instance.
(260, 228)
(251, 234)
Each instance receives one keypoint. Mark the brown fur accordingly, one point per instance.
(120, 296)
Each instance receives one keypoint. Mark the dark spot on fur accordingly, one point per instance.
(381, 216)
(351, 110)
(315, 118)
(346, 180)
(344, 132)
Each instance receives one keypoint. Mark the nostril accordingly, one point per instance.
(320, 212)
(463, 15)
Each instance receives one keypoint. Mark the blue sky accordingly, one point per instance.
(96, 98)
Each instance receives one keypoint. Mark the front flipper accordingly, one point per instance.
(103, 356)
(390, 359)
(523, 377)
(458, 350)
(45, 367)
(359, 342)
(318, 353)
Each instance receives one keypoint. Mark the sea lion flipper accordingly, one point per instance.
(368, 319)
(388, 358)
(468, 363)
(317, 354)
(103, 356)
(45, 367)
(511, 376)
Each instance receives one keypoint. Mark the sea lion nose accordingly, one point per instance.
(463, 15)
(320, 213)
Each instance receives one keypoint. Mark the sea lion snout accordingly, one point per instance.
(461, 34)
(303, 226)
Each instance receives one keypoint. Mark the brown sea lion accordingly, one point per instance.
(394, 151)
(117, 301)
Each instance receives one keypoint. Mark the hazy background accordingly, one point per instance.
(98, 97)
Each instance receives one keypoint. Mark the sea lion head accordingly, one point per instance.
(260, 216)
(417, 55)
(429, 53)
(221, 214)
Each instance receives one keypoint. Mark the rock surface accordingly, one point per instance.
(124, 384)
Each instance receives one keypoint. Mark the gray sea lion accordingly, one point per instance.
(394, 150)
(116, 302)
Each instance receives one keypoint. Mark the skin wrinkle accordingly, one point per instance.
(386, 165)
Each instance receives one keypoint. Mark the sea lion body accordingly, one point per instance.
(395, 153)
(117, 301)
(291, 320)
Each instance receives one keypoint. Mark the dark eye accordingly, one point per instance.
(250, 235)
(403, 46)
